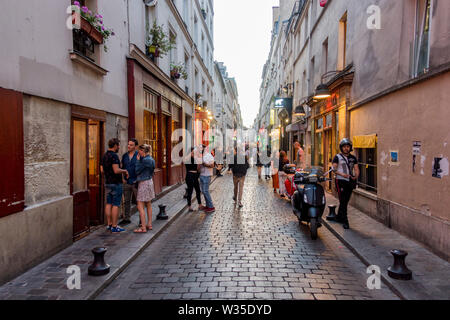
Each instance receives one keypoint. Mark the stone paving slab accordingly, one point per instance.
(47, 281)
(372, 242)
(256, 252)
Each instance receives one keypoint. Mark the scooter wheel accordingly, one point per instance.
(314, 224)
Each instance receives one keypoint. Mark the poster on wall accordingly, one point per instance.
(393, 156)
(440, 167)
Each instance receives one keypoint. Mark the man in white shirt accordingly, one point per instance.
(206, 172)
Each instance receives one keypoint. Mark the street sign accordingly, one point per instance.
(281, 103)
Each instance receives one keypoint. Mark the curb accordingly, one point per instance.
(122, 268)
(384, 279)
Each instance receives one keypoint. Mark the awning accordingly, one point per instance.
(298, 126)
(365, 142)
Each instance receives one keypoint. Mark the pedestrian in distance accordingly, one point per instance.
(259, 164)
(300, 155)
(192, 179)
(283, 161)
(345, 167)
(145, 169)
(206, 173)
(129, 185)
(268, 165)
(110, 168)
(239, 169)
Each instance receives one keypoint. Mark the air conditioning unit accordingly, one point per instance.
(150, 3)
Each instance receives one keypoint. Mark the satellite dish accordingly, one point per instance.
(150, 3)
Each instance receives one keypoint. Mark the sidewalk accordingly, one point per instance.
(47, 281)
(372, 242)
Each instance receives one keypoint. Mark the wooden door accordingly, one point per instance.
(95, 185)
(80, 176)
(328, 153)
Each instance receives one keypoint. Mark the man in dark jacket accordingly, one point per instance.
(239, 168)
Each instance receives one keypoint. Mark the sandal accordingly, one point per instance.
(140, 230)
(150, 228)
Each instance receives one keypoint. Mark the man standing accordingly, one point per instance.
(300, 155)
(129, 188)
(345, 167)
(206, 172)
(239, 172)
(110, 167)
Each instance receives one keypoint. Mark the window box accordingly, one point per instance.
(93, 33)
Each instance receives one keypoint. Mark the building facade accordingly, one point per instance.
(386, 76)
(64, 92)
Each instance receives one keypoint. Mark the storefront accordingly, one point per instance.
(330, 123)
(157, 108)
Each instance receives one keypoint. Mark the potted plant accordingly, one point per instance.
(178, 71)
(157, 42)
(92, 24)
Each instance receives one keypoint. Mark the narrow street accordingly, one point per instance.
(257, 252)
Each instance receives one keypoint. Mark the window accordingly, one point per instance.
(151, 122)
(311, 75)
(367, 161)
(83, 43)
(342, 42)
(422, 41)
(173, 52)
(325, 56)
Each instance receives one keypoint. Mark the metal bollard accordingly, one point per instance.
(99, 267)
(399, 270)
(332, 212)
(162, 213)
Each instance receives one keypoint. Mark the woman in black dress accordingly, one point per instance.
(192, 176)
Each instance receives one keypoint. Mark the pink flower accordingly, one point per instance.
(85, 9)
(103, 28)
(90, 12)
(76, 3)
(100, 16)
(100, 21)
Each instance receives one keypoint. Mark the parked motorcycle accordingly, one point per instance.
(308, 200)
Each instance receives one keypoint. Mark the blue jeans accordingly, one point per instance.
(204, 186)
(114, 194)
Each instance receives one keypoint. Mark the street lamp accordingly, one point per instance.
(322, 90)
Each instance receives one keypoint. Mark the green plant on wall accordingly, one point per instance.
(178, 69)
(158, 41)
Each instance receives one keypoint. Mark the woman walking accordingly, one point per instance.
(192, 176)
(145, 168)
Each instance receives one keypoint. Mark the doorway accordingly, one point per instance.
(328, 152)
(86, 182)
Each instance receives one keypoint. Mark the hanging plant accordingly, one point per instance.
(92, 24)
(157, 41)
(178, 71)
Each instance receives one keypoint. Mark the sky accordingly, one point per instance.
(242, 33)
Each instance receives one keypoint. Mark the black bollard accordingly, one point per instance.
(99, 267)
(399, 270)
(332, 213)
(162, 213)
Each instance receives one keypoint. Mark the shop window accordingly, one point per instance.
(151, 133)
(368, 169)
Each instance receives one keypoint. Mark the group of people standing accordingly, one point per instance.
(132, 175)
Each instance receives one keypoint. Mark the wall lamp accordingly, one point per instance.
(322, 90)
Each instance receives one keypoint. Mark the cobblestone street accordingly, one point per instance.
(257, 252)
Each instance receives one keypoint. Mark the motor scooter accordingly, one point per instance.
(308, 200)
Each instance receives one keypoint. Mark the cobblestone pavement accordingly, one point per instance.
(257, 252)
